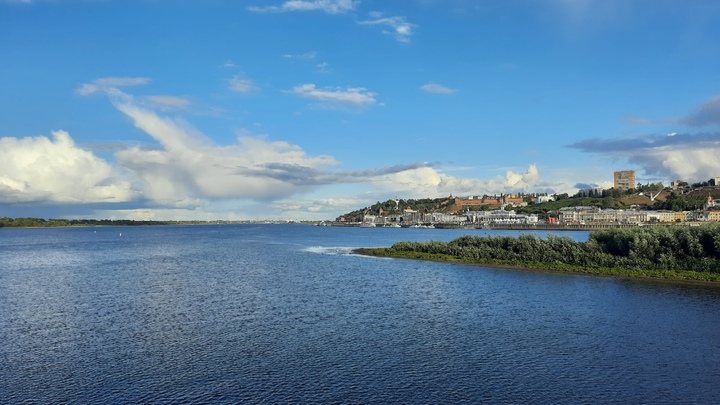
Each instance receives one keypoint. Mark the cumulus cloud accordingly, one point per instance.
(355, 96)
(437, 88)
(328, 6)
(426, 181)
(398, 26)
(691, 157)
(40, 169)
(110, 82)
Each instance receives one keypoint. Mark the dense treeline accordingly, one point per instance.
(634, 250)
(41, 222)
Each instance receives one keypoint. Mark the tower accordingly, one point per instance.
(624, 180)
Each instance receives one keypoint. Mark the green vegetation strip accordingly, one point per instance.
(683, 253)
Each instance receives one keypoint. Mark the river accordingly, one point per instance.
(286, 314)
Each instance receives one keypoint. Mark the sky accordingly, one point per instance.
(308, 109)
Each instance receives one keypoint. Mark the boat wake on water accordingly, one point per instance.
(330, 250)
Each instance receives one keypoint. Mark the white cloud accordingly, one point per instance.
(400, 28)
(240, 85)
(689, 164)
(437, 88)
(323, 67)
(357, 96)
(328, 6)
(427, 181)
(188, 167)
(56, 170)
(681, 156)
(169, 101)
(110, 82)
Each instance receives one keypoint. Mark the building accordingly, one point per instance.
(666, 216)
(620, 216)
(501, 217)
(624, 180)
(544, 198)
(577, 215)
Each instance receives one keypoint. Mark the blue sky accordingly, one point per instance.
(306, 109)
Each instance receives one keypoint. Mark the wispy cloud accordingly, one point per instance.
(636, 120)
(355, 96)
(437, 88)
(188, 167)
(308, 176)
(323, 67)
(705, 114)
(169, 101)
(399, 27)
(708, 113)
(328, 6)
(240, 85)
(109, 82)
(306, 55)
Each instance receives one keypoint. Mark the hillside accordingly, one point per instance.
(677, 200)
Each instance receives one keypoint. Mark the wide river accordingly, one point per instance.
(286, 314)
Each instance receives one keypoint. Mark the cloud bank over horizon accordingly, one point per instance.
(187, 170)
(689, 157)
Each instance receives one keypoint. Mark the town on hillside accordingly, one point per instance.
(625, 204)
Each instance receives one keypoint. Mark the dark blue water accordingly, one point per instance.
(284, 314)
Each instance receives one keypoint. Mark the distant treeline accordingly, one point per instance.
(40, 222)
(650, 251)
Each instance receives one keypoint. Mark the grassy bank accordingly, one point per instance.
(678, 254)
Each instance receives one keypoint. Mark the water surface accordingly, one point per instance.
(285, 314)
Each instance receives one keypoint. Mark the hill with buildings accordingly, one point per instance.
(544, 208)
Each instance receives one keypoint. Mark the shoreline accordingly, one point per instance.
(538, 227)
(649, 275)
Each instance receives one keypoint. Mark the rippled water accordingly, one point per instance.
(285, 314)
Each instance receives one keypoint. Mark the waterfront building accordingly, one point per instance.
(501, 217)
(442, 218)
(666, 216)
(620, 216)
(577, 215)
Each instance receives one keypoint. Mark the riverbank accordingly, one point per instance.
(528, 227)
(712, 279)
